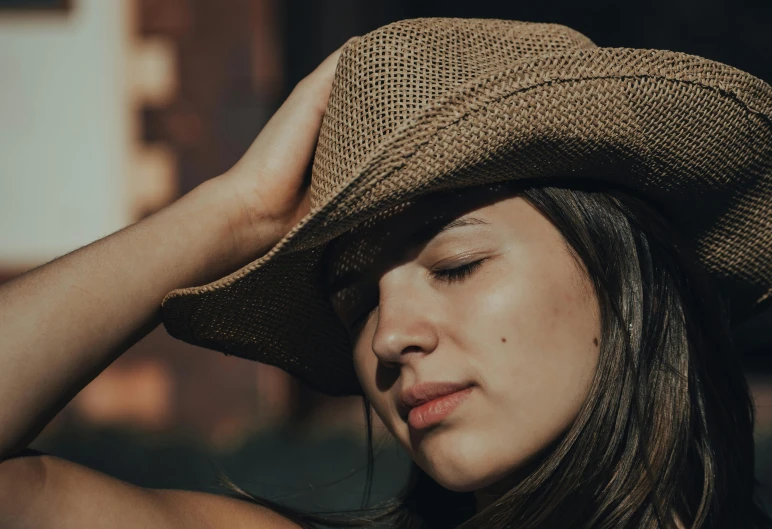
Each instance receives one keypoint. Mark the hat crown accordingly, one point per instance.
(392, 73)
(426, 105)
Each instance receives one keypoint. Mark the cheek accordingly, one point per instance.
(534, 347)
(365, 365)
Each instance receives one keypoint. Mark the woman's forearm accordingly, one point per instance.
(64, 322)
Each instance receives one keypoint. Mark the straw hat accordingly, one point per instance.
(441, 103)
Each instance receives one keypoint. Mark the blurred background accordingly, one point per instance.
(111, 109)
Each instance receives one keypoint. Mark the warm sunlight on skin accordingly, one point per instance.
(522, 326)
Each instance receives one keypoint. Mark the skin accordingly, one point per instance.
(523, 327)
(65, 321)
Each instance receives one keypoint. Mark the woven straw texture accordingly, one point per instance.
(432, 104)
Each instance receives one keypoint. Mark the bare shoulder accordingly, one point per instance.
(47, 492)
(188, 508)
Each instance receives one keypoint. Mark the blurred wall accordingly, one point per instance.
(64, 135)
(109, 110)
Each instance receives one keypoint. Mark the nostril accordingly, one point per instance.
(389, 365)
(412, 349)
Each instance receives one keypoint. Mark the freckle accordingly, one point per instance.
(595, 340)
(503, 339)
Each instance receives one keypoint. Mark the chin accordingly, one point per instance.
(466, 462)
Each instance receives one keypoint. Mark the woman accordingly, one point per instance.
(491, 252)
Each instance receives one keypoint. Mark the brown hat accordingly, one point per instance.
(440, 103)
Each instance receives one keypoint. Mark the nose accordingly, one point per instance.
(404, 325)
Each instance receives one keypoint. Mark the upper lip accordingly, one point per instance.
(426, 391)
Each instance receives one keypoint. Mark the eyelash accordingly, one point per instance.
(448, 275)
(458, 273)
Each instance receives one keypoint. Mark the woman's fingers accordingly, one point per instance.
(269, 179)
(286, 143)
(321, 78)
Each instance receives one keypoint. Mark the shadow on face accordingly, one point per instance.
(475, 288)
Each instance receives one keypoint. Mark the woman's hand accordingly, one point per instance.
(267, 184)
(62, 323)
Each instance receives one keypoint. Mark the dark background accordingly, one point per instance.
(236, 62)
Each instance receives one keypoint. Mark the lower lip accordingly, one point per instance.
(433, 412)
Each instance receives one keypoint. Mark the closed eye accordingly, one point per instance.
(458, 273)
(448, 275)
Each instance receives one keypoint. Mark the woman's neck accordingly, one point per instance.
(490, 494)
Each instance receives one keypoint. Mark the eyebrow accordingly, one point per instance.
(414, 239)
(432, 231)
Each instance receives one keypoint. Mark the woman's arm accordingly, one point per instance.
(64, 322)
(42, 492)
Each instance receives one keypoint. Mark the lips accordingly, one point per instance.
(425, 392)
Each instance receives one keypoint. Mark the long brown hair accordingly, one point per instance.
(665, 437)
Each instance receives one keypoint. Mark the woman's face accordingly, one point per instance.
(494, 301)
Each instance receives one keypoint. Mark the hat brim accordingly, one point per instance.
(601, 114)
